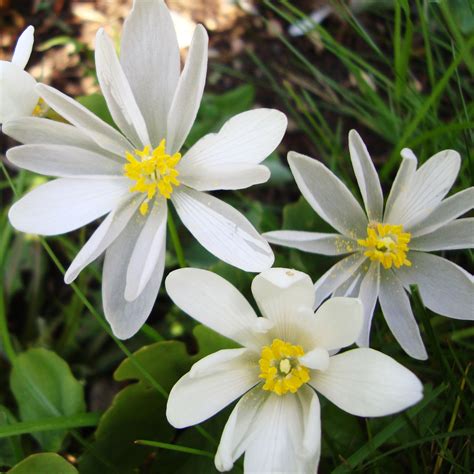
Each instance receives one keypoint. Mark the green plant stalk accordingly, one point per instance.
(178, 248)
(175, 447)
(4, 333)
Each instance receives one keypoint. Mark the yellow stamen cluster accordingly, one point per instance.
(40, 109)
(153, 172)
(280, 367)
(387, 244)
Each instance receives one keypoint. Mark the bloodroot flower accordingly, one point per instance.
(18, 97)
(388, 248)
(132, 174)
(286, 357)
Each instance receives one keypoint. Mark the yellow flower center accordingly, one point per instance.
(387, 244)
(280, 367)
(153, 172)
(40, 109)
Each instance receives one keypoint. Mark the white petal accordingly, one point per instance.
(237, 434)
(66, 204)
(222, 230)
(458, 234)
(23, 48)
(63, 161)
(328, 195)
(338, 322)
(195, 399)
(444, 287)
(124, 317)
(368, 294)
(212, 301)
(226, 176)
(448, 210)
(243, 142)
(401, 183)
(103, 134)
(104, 235)
(350, 288)
(313, 242)
(18, 96)
(188, 94)
(399, 315)
(40, 131)
(287, 435)
(149, 49)
(317, 358)
(147, 251)
(367, 177)
(365, 382)
(427, 188)
(217, 362)
(336, 276)
(280, 294)
(117, 92)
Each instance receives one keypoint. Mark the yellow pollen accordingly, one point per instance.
(280, 367)
(387, 244)
(153, 172)
(40, 109)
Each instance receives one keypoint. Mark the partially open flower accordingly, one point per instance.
(18, 97)
(387, 248)
(284, 360)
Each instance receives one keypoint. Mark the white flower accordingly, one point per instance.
(286, 356)
(130, 175)
(18, 97)
(388, 248)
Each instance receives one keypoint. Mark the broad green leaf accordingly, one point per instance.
(11, 451)
(44, 386)
(43, 463)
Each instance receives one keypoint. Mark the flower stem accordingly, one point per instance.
(4, 334)
(176, 242)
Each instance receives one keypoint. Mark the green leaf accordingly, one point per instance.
(11, 451)
(44, 386)
(44, 463)
(138, 411)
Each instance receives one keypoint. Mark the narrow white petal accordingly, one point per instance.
(243, 142)
(444, 287)
(212, 301)
(365, 382)
(18, 96)
(23, 48)
(148, 248)
(318, 359)
(458, 234)
(40, 131)
(63, 161)
(193, 400)
(225, 176)
(104, 235)
(399, 315)
(188, 94)
(287, 434)
(427, 188)
(282, 296)
(222, 230)
(150, 49)
(103, 134)
(237, 434)
(350, 288)
(313, 242)
(367, 178)
(336, 276)
(66, 204)
(117, 92)
(217, 362)
(368, 294)
(401, 183)
(328, 195)
(338, 322)
(124, 317)
(447, 211)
